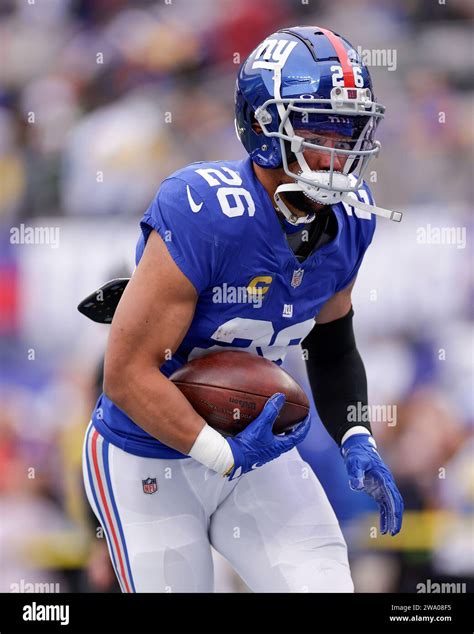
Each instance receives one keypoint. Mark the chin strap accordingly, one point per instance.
(396, 216)
(289, 215)
(349, 199)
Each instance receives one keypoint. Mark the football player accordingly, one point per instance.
(290, 224)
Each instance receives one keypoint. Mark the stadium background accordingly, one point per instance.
(99, 101)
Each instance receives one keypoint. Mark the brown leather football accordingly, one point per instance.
(229, 389)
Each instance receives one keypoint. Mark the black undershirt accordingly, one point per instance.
(322, 230)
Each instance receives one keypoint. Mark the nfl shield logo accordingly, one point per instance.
(297, 277)
(149, 485)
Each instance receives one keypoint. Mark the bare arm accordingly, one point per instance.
(336, 306)
(152, 319)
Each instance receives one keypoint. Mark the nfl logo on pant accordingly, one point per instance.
(149, 485)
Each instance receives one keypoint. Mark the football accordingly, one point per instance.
(229, 389)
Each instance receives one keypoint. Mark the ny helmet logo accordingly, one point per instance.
(273, 51)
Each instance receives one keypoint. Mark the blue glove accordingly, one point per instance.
(367, 472)
(257, 444)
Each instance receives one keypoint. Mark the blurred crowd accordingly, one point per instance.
(102, 99)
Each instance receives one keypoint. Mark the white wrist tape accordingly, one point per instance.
(212, 450)
(357, 429)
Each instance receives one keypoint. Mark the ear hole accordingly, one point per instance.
(256, 127)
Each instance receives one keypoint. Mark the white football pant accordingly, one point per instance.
(274, 525)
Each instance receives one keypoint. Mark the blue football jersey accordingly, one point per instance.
(222, 231)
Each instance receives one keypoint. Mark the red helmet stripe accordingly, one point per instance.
(347, 69)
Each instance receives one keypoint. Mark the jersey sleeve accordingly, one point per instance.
(188, 235)
(362, 239)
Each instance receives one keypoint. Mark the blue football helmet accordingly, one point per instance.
(297, 85)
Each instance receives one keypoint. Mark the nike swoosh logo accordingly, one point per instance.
(254, 466)
(195, 208)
